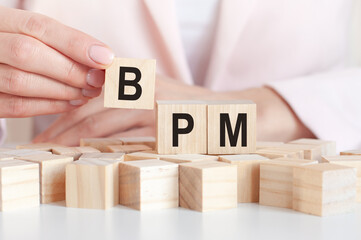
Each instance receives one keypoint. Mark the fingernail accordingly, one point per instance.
(91, 93)
(77, 102)
(101, 55)
(95, 78)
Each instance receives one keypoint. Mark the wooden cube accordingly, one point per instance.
(274, 153)
(248, 175)
(181, 127)
(128, 148)
(146, 155)
(130, 83)
(39, 146)
(231, 127)
(184, 158)
(351, 152)
(310, 151)
(25, 152)
(148, 184)
(52, 175)
(100, 143)
(324, 189)
(4, 156)
(74, 152)
(276, 182)
(207, 185)
(19, 184)
(327, 147)
(351, 161)
(92, 183)
(149, 141)
(104, 156)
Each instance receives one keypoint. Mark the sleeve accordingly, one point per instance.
(328, 103)
(2, 130)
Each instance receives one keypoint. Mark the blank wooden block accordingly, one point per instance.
(351, 161)
(19, 185)
(184, 158)
(310, 151)
(5, 157)
(327, 147)
(141, 156)
(100, 143)
(149, 184)
(351, 152)
(207, 185)
(25, 152)
(324, 189)
(74, 152)
(231, 127)
(103, 156)
(120, 70)
(177, 117)
(92, 183)
(274, 153)
(276, 182)
(149, 141)
(39, 146)
(52, 175)
(128, 148)
(248, 175)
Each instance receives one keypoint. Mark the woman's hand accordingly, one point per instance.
(93, 120)
(46, 67)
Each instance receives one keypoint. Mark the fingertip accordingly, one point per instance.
(91, 93)
(95, 77)
(78, 102)
(100, 54)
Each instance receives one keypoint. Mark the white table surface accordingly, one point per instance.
(248, 221)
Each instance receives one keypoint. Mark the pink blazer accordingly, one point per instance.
(299, 48)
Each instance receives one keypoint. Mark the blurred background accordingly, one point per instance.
(20, 130)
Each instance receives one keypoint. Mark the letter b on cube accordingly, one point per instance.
(129, 83)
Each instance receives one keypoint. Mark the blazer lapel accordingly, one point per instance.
(232, 18)
(163, 14)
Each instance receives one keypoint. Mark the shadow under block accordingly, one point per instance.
(248, 175)
(231, 127)
(351, 161)
(351, 152)
(324, 189)
(327, 147)
(181, 127)
(149, 184)
(19, 184)
(149, 141)
(128, 148)
(100, 143)
(276, 182)
(207, 185)
(141, 81)
(74, 152)
(104, 156)
(52, 175)
(92, 184)
(39, 146)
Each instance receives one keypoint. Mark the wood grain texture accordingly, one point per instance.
(103, 156)
(274, 153)
(248, 166)
(147, 83)
(74, 152)
(327, 147)
(310, 151)
(39, 146)
(100, 143)
(19, 185)
(324, 189)
(276, 182)
(128, 148)
(193, 142)
(52, 175)
(207, 185)
(351, 152)
(350, 161)
(147, 185)
(141, 156)
(92, 184)
(149, 141)
(233, 108)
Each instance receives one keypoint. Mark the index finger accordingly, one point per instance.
(75, 44)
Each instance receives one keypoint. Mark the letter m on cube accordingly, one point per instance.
(231, 127)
